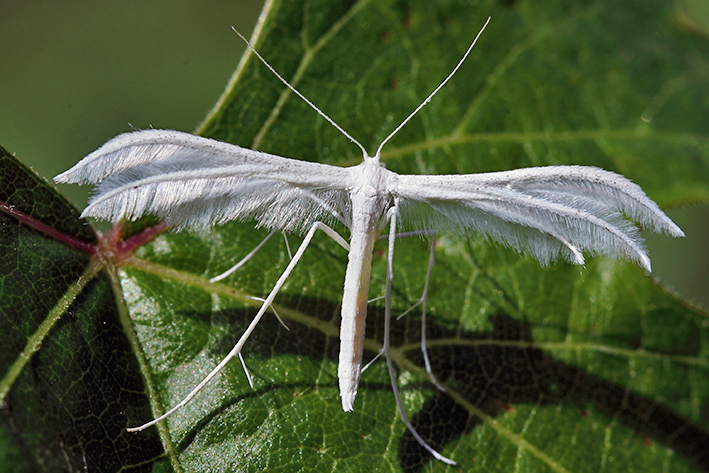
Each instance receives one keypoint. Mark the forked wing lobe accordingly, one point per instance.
(195, 182)
(551, 212)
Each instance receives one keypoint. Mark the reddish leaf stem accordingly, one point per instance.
(110, 241)
(141, 238)
(47, 229)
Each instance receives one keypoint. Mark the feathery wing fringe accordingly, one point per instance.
(550, 212)
(195, 182)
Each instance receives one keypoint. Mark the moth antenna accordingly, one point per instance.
(428, 99)
(295, 91)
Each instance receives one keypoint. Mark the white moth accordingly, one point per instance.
(555, 212)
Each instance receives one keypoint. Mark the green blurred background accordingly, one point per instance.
(78, 72)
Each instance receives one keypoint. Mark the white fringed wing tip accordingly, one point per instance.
(551, 212)
(195, 182)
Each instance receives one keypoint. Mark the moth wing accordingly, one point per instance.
(551, 212)
(195, 182)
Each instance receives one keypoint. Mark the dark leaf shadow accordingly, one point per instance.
(496, 377)
(493, 376)
(69, 411)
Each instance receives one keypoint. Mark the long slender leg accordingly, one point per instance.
(246, 370)
(421, 302)
(424, 299)
(285, 239)
(244, 260)
(266, 303)
(386, 349)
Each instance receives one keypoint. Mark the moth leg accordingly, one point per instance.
(246, 371)
(273, 309)
(421, 302)
(386, 348)
(245, 259)
(376, 357)
(251, 254)
(386, 237)
(238, 265)
(266, 304)
(285, 240)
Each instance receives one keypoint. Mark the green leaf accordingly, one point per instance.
(546, 369)
(70, 379)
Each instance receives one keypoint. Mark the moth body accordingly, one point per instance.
(369, 200)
